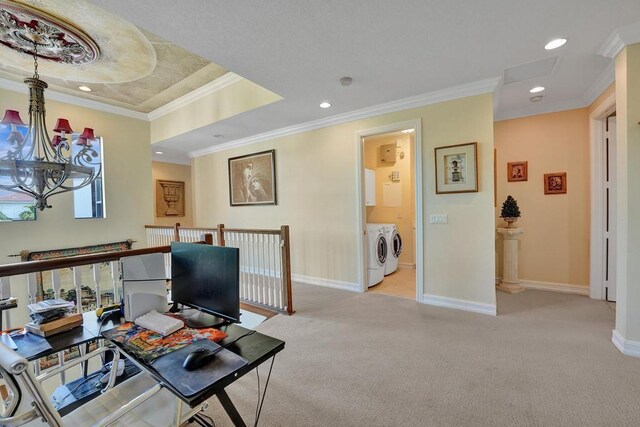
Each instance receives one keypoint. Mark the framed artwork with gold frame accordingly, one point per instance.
(517, 171)
(555, 183)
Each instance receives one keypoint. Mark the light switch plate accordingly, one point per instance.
(439, 219)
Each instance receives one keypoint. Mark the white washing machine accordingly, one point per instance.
(376, 253)
(394, 244)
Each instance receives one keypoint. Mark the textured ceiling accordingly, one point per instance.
(137, 70)
(299, 49)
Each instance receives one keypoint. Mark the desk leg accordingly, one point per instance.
(84, 349)
(230, 409)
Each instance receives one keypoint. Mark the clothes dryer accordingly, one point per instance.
(376, 253)
(394, 244)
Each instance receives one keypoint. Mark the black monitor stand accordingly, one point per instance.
(194, 318)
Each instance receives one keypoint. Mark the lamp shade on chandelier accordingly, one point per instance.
(38, 165)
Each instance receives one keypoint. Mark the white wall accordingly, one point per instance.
(317, 197)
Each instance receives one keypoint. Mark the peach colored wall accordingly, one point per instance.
(173, 172)
(404, 215)
(555, 244)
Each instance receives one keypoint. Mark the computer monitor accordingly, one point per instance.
(206, 278)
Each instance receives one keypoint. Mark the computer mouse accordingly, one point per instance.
(198, 358)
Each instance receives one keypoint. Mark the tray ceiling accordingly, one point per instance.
(133, 69)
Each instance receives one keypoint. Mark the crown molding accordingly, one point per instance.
(471, 89)
(604, 80)
(196, 94)
(534, 110)
(199, 93)
(74, 100)
(618, 39)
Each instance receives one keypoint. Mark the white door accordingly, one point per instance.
(610, 211)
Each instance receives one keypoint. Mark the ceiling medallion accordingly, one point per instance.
(22, 28)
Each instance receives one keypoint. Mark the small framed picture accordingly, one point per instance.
(457, 168)
(517, 171)
(252, 179)
(555, 183)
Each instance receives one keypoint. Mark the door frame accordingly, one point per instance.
(416, 124)
(598, 135)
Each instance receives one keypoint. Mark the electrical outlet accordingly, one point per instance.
(439, 219)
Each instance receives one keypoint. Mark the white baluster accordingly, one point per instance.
(77, 281)
(96, 284)
(32, 286)
(5, 292)
(55, 283)
(114, 272)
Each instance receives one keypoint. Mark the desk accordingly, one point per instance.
(255, 348)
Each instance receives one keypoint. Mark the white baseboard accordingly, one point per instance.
(556, 287)
(407, 265)
(459, 304)
(626, 347)
(328, 283)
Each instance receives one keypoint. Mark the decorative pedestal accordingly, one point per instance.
(510, 283)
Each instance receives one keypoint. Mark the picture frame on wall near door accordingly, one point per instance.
(457, 168)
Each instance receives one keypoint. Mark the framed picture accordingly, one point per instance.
(169, 198)
(457, 168)
(517, 171)
(252, 179)
(555, 183)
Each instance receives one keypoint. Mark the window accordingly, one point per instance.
(88, 202)
(13, 206)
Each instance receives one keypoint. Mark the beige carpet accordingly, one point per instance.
(373, 360)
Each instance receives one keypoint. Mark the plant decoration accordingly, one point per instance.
(510, 211)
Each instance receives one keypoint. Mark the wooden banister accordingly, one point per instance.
(251, 231)
(78, 260)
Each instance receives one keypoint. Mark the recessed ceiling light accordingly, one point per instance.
(537, 89)
(535, 98)
(325, 104)
(84, 88)
(407, 131)
(554, 44)
(160, 152)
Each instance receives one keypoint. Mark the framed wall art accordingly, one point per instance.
(169, 198)
(252, 179)
(457, 168)
(517, 171)
(555, 183)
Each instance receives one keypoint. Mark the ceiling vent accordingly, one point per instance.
(532, 70)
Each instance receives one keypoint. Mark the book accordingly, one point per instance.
(56, 326)
(32, 328)
(51, 304)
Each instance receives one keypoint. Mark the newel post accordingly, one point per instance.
(208, 239)
(220, 234)
(285, 249)
(176, 232)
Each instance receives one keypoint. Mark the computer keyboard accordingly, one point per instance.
(160, 323)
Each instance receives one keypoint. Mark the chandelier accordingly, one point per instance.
(40, 166)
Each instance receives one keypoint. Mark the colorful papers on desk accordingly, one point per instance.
(148, 345)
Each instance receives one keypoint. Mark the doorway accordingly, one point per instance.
(603, 202)
(390, 211)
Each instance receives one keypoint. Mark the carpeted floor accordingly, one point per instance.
(373, 360)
